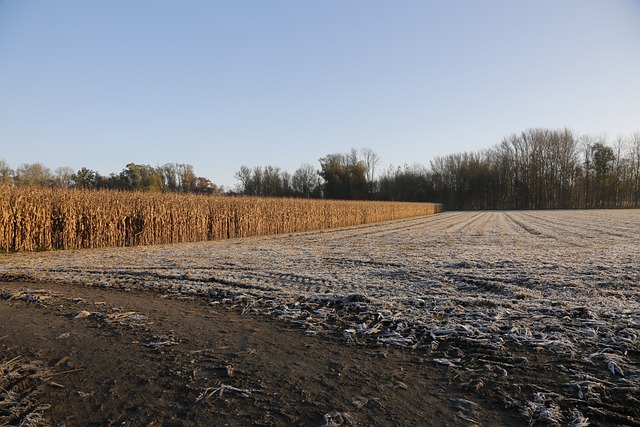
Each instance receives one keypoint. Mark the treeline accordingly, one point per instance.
(542, 169)
(536, 169)
(173, 177)
(341, 177)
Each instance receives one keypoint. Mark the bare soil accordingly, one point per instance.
(186, 362)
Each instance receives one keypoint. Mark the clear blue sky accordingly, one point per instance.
(219, 84)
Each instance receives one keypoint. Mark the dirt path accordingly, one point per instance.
(135, 358)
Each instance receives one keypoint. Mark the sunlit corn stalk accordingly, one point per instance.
(42, 219)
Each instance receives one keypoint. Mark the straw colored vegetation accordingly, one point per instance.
(42, 219)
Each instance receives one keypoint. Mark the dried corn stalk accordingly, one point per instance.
(34, 219)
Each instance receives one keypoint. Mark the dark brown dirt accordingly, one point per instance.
(219, 367)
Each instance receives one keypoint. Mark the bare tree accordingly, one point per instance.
(634, 157)
(371, 160)
(33, 174)
(285, 178)
(6, 173)
(244, 176)
(271, 182)
(186, 178)
(305, 180)
(63, 177)
(169, 174)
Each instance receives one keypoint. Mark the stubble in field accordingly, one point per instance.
(538, 310)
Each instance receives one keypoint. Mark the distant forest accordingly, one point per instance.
(536, 169)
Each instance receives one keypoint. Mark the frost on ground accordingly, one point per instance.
(540, 309)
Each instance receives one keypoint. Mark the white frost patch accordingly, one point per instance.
(565, 282)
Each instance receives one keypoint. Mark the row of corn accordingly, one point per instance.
(33, 219)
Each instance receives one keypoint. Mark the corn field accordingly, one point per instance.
(33, 219)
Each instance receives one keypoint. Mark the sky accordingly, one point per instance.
(221, 84)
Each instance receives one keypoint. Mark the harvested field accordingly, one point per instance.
(538, 312)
